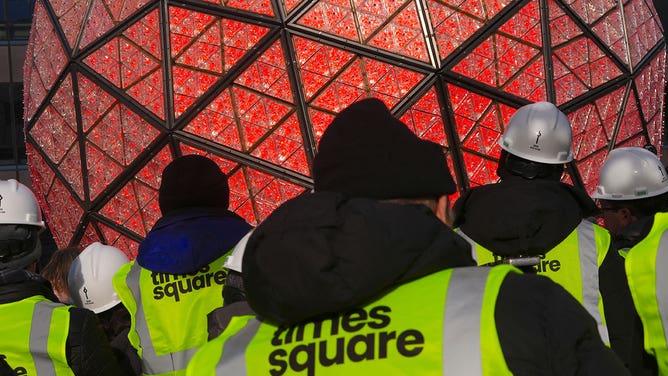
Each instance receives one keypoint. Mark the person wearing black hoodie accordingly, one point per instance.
(38, 334)
(176, 279)
(530, 217)
(364, 276)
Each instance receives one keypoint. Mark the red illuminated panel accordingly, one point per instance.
(365, 77)
(425, 119)
(90, 236)
(592, 124)
(95, 102)
(70, 15)
(402, 35)
(644, 31)
(105, 14)
(333, 17)
(114, 142)
(605, 19)
(511, 60)
(454, 26)
(269, 75)
(481, 170)
(631, 124)
(44, 63)
(479, 120)
(391, 25)
(133, 63)
(579, 64)
(120, 241)
(257, 6)
(650, 84)
(56, 137)
(318, 64)
(284, 147)
(589, 170)
(134, 207)
(62, 221)
(268, 192)
(41, 176)
(203, 48)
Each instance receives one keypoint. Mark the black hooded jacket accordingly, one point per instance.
(624, 325)
(87, 348)
(323, 253)
(521, 217)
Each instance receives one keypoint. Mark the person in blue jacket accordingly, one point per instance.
(176, 279)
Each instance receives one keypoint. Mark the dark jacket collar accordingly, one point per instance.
(188, 239)
(322, 253)
(19, 284)
(518, 216)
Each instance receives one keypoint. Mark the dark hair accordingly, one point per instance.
(641, 207)
(58, 266)
(510, 164)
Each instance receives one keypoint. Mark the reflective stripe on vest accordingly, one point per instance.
(42, 350)
(174, 309)
(392, 335)
(646, 266)
(579, 276)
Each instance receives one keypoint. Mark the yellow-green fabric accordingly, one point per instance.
(645, 265)
(409, 331)
(169, 312)
(574, 264)
(33, 336)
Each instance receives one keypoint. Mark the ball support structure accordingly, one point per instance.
(113, 91)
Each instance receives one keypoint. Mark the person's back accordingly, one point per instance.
(39, 335)
(530, 216)
(89, 281)
(363, 276)
(176, 279)
(633, 195)
(234, 293)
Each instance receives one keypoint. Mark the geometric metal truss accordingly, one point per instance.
(114, 90)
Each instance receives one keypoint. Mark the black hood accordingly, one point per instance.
(19, 284)
(522, 217)
(323, 253)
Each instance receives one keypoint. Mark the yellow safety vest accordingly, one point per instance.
(33, 335)
(573, 264)
(646, 270)
(168, 313)
(443, 321)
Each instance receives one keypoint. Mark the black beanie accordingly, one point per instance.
(367, 152)
(191, 181)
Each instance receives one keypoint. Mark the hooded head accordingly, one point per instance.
(193, 181)
(367, 152)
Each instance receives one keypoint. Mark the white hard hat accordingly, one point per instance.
(631, 173)
(18, 205)
(539, 132)
(90, 277)
(233, 261)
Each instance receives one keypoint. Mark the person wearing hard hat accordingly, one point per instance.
(530, 218)
(38, 335)
(363, 276)
(177, 278)
(234, 293)
(632, 192)
(89, 281)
